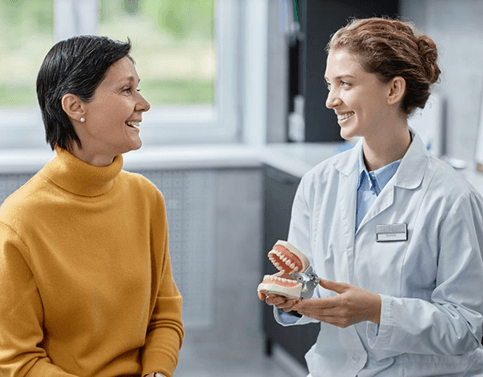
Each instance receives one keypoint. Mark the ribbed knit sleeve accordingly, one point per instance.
(165, 330)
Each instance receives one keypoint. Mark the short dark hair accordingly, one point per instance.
(77, 66)
(390, 48)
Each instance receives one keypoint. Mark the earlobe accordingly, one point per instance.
(72, 105)
(396, 90)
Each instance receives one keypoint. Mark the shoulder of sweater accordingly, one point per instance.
(20, 202)
(139, 181)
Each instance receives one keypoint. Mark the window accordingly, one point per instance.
(26, 35)
(185, 51)
(174, 44)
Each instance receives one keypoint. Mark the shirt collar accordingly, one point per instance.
(379, 177)
(410, 172)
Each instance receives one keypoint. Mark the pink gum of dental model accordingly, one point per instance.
(288, 260)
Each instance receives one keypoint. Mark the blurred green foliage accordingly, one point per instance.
(180, 18)
(19, 95)
(27, 28)
(20, 19)
(178, 91)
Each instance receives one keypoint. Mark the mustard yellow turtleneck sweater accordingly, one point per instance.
(85, 276)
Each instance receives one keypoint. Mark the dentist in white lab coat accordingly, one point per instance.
(395, 234)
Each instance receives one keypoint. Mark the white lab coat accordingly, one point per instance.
(431, 285)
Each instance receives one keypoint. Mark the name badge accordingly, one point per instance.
(391, 232)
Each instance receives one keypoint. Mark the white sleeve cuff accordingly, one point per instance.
(379, 335)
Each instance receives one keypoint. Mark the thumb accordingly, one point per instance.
(333, 285)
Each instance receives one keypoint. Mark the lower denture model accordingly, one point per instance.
(295, 279)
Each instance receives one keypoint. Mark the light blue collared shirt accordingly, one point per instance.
(370, 185)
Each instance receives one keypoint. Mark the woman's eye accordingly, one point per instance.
(127, 90)
(344, 83)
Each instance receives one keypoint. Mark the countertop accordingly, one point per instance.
(293, 158)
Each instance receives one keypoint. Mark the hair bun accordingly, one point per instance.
(429, 55)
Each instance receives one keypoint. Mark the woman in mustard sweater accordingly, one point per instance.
(85, 274)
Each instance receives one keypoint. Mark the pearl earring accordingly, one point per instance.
(82, 120)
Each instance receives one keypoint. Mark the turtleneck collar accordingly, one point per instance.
(78, 177)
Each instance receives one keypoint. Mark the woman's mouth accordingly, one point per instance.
(341, 117)
(134, 125)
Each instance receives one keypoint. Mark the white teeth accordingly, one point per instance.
(133, 124)
(345, 116)
(277, 278)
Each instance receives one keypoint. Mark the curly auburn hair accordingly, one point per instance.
(391, 48)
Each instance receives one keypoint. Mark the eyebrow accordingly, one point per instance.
(131, 79)
(339, 77)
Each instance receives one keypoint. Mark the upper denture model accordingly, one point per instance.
(288, 260)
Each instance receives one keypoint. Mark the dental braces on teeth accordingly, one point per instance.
(296, 278)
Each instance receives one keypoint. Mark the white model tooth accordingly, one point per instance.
(292, 265)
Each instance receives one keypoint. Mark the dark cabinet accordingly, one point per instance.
(279, 191)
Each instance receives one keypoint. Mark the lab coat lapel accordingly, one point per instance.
(382, 202)
(347, 197)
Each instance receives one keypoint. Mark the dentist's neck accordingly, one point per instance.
(386, 147)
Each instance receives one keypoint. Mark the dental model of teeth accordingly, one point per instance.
(288, 260)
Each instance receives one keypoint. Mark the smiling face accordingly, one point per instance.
(359, 99)
(113, 115)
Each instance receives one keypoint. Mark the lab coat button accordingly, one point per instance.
(355, 358)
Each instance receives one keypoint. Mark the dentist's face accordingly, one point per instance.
(358, 97)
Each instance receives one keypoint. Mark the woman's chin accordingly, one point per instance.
(346, 134)
(134, 145)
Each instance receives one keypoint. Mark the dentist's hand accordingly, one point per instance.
(278, 301)
(351, 305)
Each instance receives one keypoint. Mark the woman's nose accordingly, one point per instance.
(142, 104)
(332, 100)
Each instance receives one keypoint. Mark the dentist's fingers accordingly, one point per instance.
(281, 302)
(351, 306)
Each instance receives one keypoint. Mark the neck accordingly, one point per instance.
(91, 157)
(386, 147)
